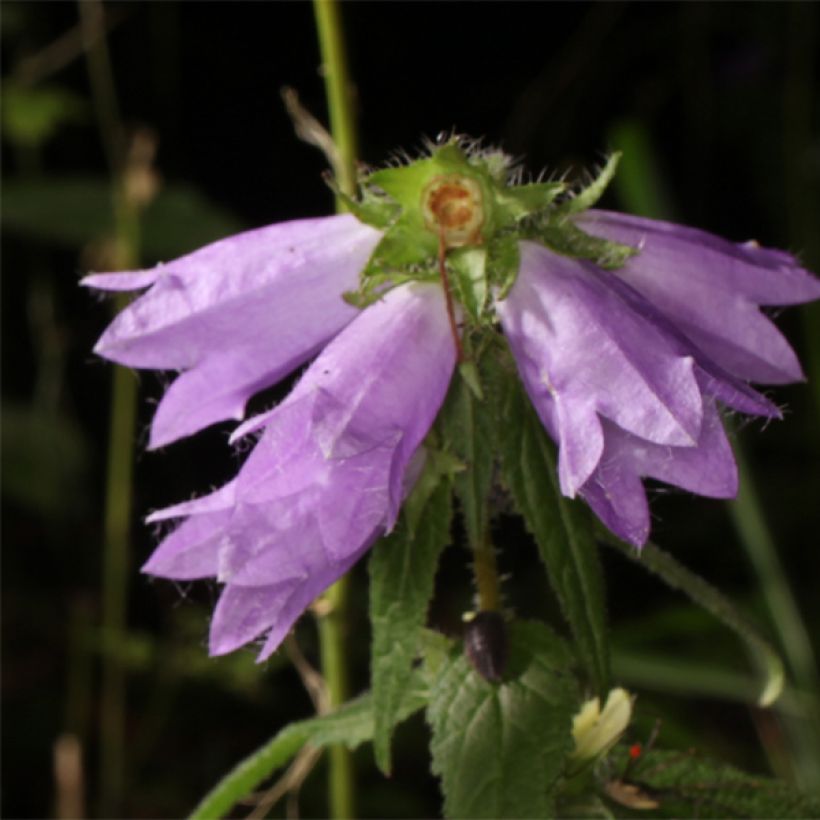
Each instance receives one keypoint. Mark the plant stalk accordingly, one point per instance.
(338, 89)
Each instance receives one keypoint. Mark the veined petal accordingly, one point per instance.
(584, 351)
(237, 315)
(191, 551)
(327, 476)
(615, 490)
(711, 289)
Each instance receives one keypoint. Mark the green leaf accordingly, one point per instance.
(675, 575)
(402, 571)
(560, 526)
(588, 196)
(500, 748)
(76, 210)
(680, 782)
(468, 431)
(351, 725)
(32, 116)
(45, 459)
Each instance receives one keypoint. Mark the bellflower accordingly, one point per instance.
(628, 334)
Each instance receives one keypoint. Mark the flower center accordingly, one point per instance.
(452, 206)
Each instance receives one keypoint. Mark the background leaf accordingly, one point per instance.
(76, 210)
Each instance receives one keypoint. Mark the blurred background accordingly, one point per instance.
(110, 704)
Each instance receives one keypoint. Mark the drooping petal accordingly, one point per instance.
(238, 315)
(326, 477)
(191, 551)
(584, 354)
(615, 491)
(711, 289)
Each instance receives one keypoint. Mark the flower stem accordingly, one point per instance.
(120, 462)
(485, 571)
(338, 89)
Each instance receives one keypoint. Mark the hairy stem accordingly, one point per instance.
(341, 786)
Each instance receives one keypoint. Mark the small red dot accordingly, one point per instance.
(635, 751)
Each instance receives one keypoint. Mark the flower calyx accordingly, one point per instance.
(470, 202)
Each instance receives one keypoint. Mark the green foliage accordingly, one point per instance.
(560, 526)
(45, 461)
(673, 573)
(499, 748)
(468, 431)
(32, 116)
(351, 725)
(685, 783)
(74, 211)
(402, 570)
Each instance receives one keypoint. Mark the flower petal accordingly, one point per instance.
(711, 289)
(327, 476)
(238, 315)
(191, 551)
(615, 491)
(584, 353)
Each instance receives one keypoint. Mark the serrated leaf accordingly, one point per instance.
(402, 571)
(683, 782)
(500, 748)
(76, 210)
(559, 525)
(351, 724)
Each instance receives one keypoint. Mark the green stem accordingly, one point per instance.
(339, 91)
(332, 625)
(120, 462)
(676, 576)
(485, 571)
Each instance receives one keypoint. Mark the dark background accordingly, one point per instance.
(716, 105)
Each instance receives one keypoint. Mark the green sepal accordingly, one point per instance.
(519, 201)
(569, 240)
(372, 209)
(500, 748)
(588, 196)
(470, 280)
(402, 570)
(373, 288)
(406, 243)
(503, 261)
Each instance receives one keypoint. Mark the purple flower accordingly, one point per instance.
(626, 367)
(330, 471)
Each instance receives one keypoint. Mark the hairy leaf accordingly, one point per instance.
(500, 748)
(402, 571)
